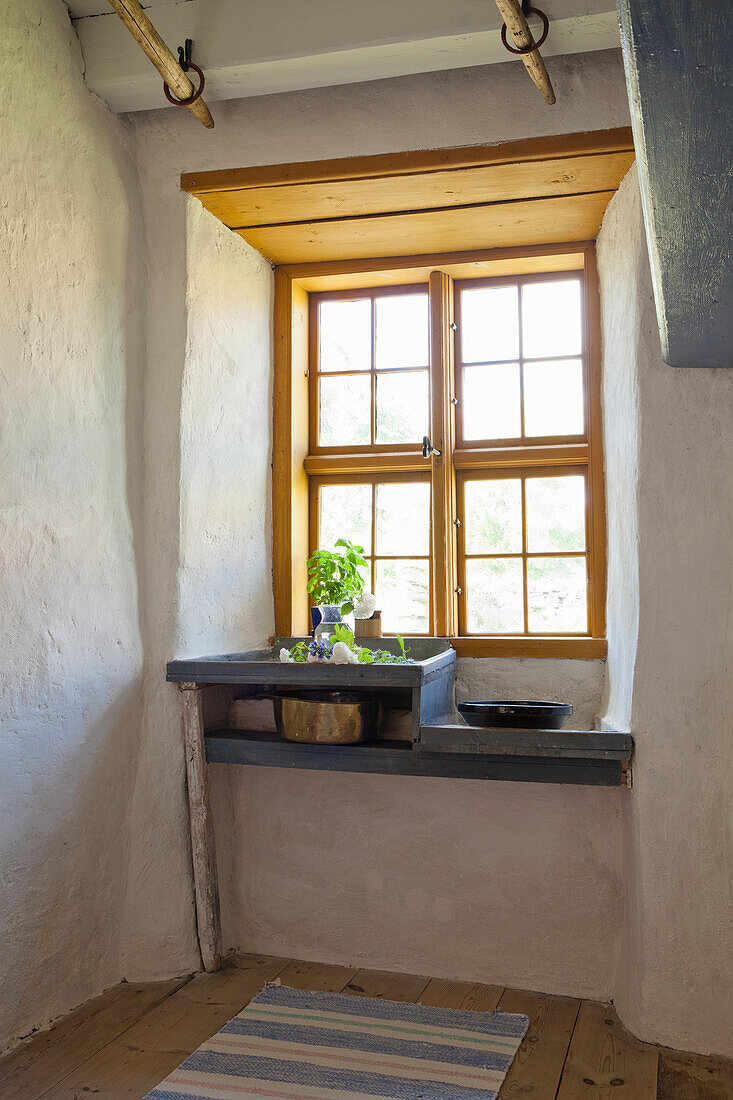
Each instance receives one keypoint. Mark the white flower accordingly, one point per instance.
(343, 655)
(285, 657)
(365, 605)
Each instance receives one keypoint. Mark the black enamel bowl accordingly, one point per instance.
(513, 714)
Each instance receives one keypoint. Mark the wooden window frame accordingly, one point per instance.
(525, 555)
(403, 290)
(296, 461)
(373, 479)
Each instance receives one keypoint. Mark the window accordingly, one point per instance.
(370, 377)
(523, 552)
(521, 381)
(389, 515)
(497, 538)
(370, 391)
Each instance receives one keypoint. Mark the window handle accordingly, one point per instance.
(428, 449)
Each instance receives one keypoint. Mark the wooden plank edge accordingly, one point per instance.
(578, 744)
(557, 146)
(231, 747)
(541, 648)
(365, 265)
(424, 212)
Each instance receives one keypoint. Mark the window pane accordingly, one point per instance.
(493, 517)
(345, 411)
(402, 331)
(556, 595)
(491, 397)
(489, 324)
(346, 513)
(555, 513)
(403, 519)
(345, 335)
(403, 596)
(553, 398)
(403, 411)
(551, 319)
(494, 596)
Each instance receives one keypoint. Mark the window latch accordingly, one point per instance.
(428, 449)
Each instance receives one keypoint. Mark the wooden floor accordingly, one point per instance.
(125, 1042)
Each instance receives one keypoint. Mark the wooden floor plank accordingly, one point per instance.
(233, 984)
(538, 1065)
(464, 996)
(46, 1058)
(605, 1062)
(382, 983)
(136, 1061)
(320, 977)
(693, 1077)
(122, 1044)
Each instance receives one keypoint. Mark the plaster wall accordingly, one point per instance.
(70, 646)
(442, 876)
(578, 682)
(620, 252)
(225, 573)
(120, 523)
(675, 982)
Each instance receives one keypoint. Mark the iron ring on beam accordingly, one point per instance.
(196, 94)
(533, 45)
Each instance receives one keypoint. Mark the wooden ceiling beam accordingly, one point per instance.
(419, 161)
(516, 24)
(532, 221)
(542, 190)
(299, 202)
(153, 46)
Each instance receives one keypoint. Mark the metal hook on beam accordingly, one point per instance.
(173, 73)
(514, 15)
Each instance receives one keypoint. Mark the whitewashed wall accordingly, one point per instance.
(136, 508)
(675, 981)
(70, 645)
(476, 880)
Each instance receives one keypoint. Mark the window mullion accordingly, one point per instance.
(525, 579)
(442, 434)
(373, 376)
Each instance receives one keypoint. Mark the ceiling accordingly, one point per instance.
(258, 47)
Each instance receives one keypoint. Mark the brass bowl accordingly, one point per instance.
(327, 717)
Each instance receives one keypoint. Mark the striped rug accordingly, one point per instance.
(291, 1044)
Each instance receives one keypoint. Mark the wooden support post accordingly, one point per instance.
(208, 918)
(517, 26)
(145, 34)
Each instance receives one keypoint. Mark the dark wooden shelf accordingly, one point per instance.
(545, 760)
(434, 660)
(564, 744)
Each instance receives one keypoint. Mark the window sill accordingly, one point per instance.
(584, 648)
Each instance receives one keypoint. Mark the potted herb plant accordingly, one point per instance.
(335, 583)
